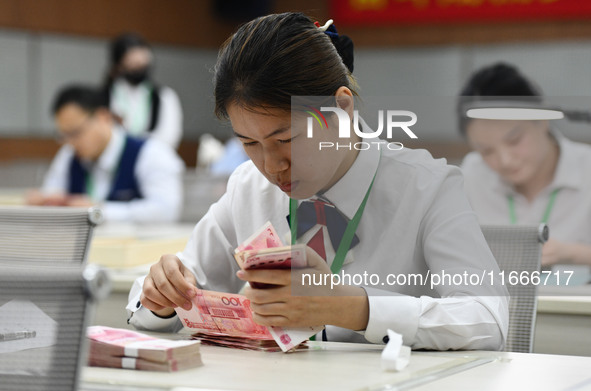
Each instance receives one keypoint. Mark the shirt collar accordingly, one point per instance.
(348, 193)
(122, 84)
(568, 174)
(110, 157)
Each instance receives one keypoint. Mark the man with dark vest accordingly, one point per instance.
(131, 179)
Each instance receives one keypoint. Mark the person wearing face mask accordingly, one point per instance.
(143, 107)
(376, 211)
(526, 171)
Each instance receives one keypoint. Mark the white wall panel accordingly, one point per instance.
(14, 87)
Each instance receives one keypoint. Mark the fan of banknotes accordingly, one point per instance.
(225, 319)
(121, 348)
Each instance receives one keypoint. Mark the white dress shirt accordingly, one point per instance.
(133, 105)
(416, 218)
(570, 217)
(159, 174)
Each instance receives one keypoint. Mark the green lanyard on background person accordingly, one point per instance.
(545, 217)
(137, 118)
(89, 181)
(89, 186)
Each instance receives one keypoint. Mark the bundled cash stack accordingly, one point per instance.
(245, 343)
(225, 319)
(120, 348)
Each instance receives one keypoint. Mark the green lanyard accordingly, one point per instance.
(89, 185)
(90, 182)
(339, 257)
(513, 215)
(346, 240)
(138, 119)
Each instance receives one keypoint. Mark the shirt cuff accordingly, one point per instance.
(116, 211)
(399, 313)
(144, 319)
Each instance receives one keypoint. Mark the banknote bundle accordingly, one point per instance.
(225, 319)
(261, 345)
(120, 348)
(283, 257)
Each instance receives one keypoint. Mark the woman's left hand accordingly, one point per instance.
(290, 303)
(79, 200)
(554, 252)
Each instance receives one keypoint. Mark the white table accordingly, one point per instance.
(335, 366)
(563, 324)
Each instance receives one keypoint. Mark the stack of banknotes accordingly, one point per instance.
(225, 319)
(120, 348)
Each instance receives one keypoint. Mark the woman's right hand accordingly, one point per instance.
(169, 284)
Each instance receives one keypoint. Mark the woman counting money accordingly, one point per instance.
(386, 221)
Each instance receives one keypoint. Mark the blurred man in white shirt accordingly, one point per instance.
(131, 179)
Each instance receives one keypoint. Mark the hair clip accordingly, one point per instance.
(326, 25)
(343, 44)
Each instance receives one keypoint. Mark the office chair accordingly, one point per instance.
(51, 302)
(518, 249)
(47, 233)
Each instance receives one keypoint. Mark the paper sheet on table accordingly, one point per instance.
(395, 356)
(17, 315)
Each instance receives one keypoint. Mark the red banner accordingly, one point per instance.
(374, 12)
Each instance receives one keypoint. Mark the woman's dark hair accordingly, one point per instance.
(117, 50)
(87, 97)
(274, 57)
(122, 44)
(494, 82)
